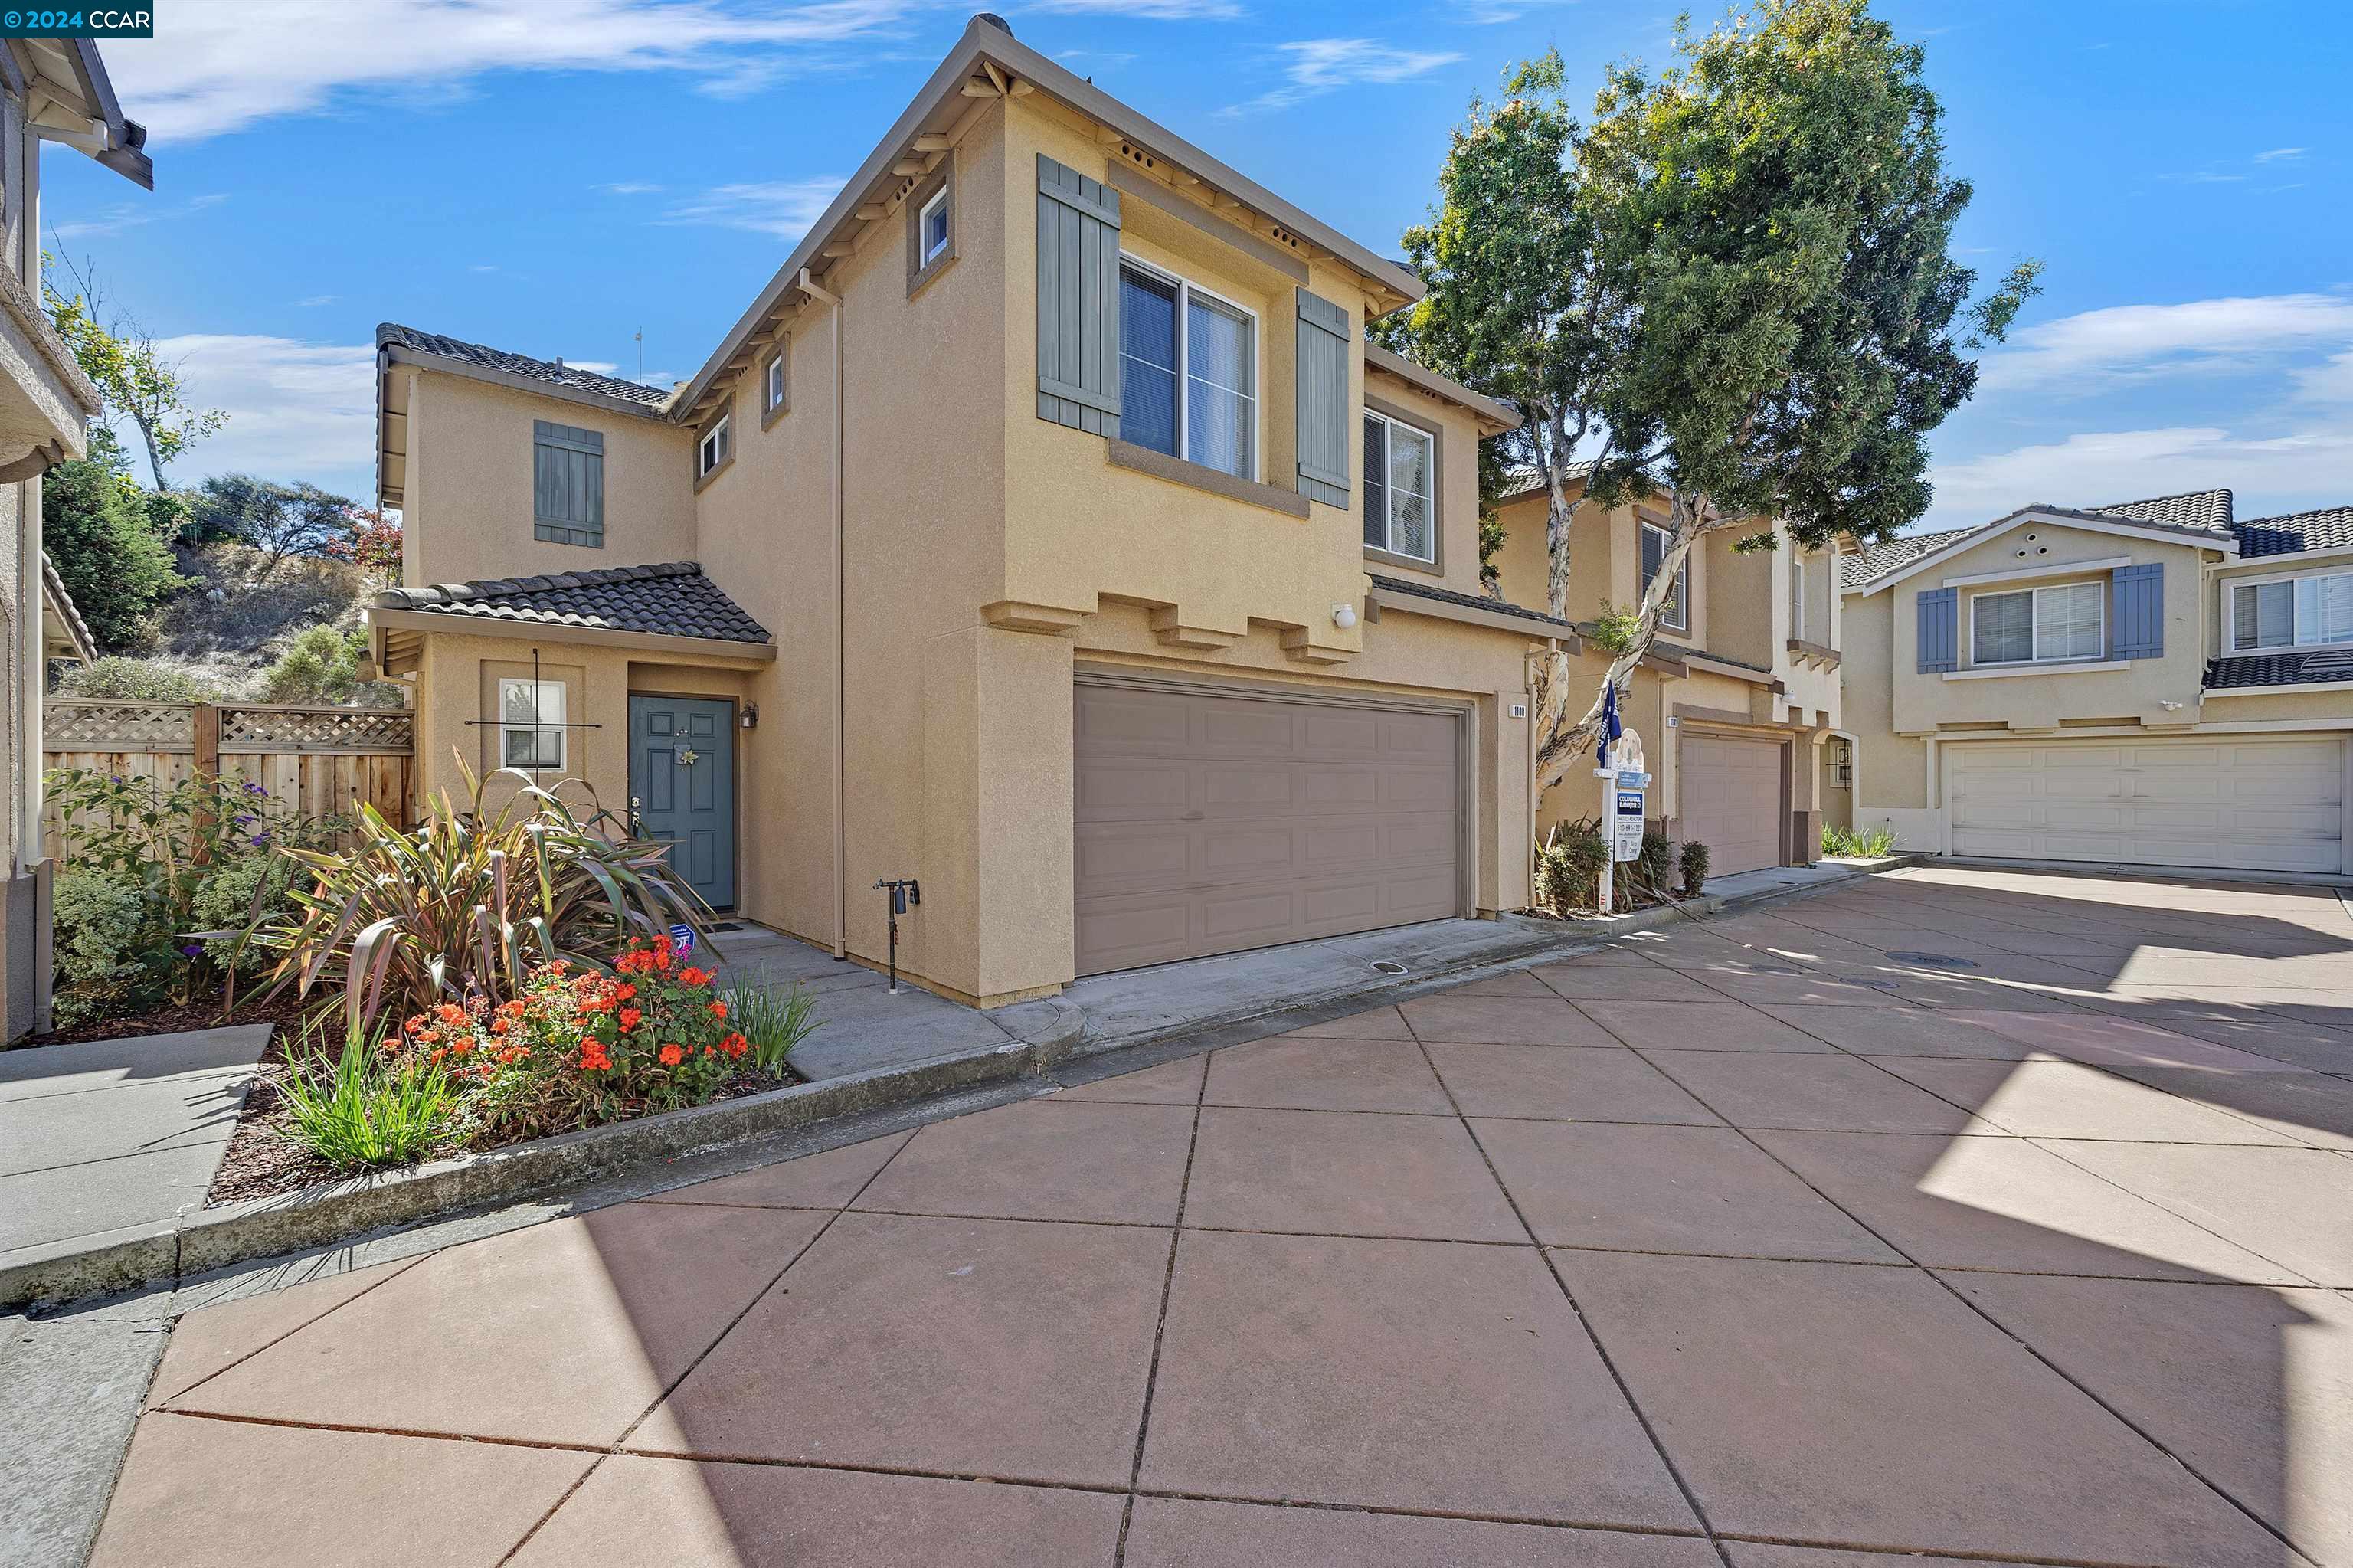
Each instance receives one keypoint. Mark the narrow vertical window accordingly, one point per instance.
(775, 389)
(1400, 488)
(931, 228)
(716, 447)
(1673, 615)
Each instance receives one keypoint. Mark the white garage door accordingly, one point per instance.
(2252, 803)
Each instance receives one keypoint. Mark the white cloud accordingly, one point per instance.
(784, 209)
(593, 367)
(227, 67)
(1319, 66)
(1146, 10)
(315, 300)
(628, 188)
(2098, 349)
(2309, 464)
(114, 219)
(297, 411)
(2279, 155)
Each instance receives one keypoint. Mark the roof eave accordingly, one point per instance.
(402, 354)
(944, 87)
(2099, 522)
(1492, 416)
(706, 650)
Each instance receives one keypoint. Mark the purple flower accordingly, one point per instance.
(253, 789)
(193, 949)
(260, 841)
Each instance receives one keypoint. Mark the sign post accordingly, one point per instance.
(1622, 814)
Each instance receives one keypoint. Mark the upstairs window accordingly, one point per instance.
(1188, 373)
(1675, 614)
(1400, 489)
(567, 485)
(531, 724)
(2039, 626)
(718, 444)
(1796, 595)
(775, 389)
(932, 229)
(2291, 613)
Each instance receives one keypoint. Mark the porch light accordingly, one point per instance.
(1343, 616)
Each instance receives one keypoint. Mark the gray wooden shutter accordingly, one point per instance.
(2138, 595)
(1940, 630)
(1324, 438)
(1078, 299)
(567, 485)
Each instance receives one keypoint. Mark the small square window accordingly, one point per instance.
(932, 229)
(531, 724)
(716, 447)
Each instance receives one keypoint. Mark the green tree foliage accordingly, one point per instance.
(138, 680)
(96, 527)
(275, 520)
(127, 364)
(327, 665)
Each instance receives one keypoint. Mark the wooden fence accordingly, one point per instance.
(320, 760)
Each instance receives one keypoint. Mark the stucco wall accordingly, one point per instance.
(467, 511)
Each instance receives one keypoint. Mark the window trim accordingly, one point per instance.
(545, 726)
(2229, 650)
(2034, 627)
(1374, 408)
(1797, 594)
(722, 420)
(1186, 288)
(1682, 624)
(935, 187)
(775, 391)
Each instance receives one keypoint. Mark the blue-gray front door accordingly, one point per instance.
(683, 776)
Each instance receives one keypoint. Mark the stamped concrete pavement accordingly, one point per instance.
(1926, 1219)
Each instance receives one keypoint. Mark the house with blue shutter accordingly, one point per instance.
(1046, 530)
(2150, 685)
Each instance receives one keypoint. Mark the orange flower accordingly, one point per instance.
(631, 1018)
(661, 959)
(671, 1056)
(694, 977)
(718, 1010)
(513, 1009)
(450, 1012)
(734, 1045)
(416, 1024)
(626, 991)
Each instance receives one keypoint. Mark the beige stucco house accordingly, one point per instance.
(1738, 698)
(1046, 531)
(2155, 683)
(51, 89)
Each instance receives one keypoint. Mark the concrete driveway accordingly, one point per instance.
(1994, 1215)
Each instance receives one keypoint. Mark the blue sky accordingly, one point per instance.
(553, 176)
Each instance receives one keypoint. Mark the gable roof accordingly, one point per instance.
(672, 599)
(2330, 528)
(544, 374)
(2199, 516)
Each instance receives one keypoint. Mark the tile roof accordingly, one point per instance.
(2201, 511)
(673, 599)
(54, 586)
(2296, 667)
(553, 372)
(1876, 560)
(1468, 601)
(2329, 528)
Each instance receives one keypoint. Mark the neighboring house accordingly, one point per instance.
(65, 636)
(51, 89)
(2154, 683)
(1738, 697)
(1045, 531)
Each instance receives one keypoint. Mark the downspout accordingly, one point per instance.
(815, 290)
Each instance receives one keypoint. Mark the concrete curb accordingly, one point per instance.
(1052, 1032)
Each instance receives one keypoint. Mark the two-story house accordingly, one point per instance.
(51, 89)
(2154, 683)
(1738, 694)
(1046, 531)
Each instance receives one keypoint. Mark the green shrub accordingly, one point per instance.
(95, 523)
(775, 1020)
(112, 955)
(244, 891)
(1694, 867)
(1568, 868)
(1847, 845)
(137, 680)
(1651, 868)
(362, 1108)
(322, 665)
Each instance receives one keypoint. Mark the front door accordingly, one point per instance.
(682, 778)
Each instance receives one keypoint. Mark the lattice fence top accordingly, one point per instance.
(106, 725)
(316, 729)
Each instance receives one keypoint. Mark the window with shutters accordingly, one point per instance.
(1400, 488)
(567, 485)
(1675, 614)
(2039, 626)
(1187, 372)
(2289, 612)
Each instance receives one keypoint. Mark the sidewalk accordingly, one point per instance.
(116, 1136)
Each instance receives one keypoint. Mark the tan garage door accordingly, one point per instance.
(2248, 803)
(1730, 790)
(1210, 823)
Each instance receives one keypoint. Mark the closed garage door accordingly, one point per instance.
(1210, 823)
(1730, 791)
(2257, 803)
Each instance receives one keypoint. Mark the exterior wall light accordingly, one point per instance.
(1343, 616)
(749, 719)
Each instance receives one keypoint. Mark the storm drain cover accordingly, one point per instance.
(1935, 960)
(1390, 967)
